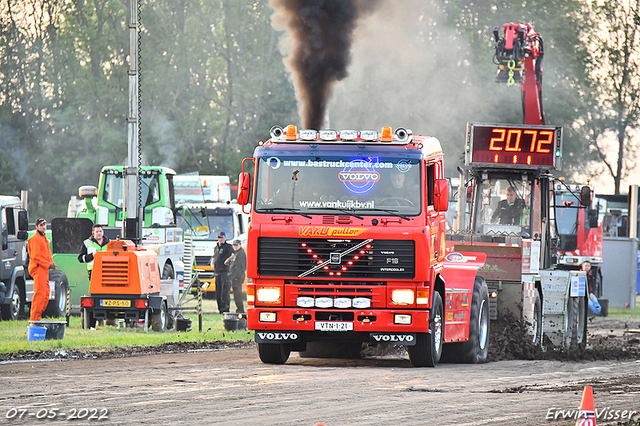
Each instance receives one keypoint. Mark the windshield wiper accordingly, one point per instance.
(295, 211)
(347, 211)
(392, 212)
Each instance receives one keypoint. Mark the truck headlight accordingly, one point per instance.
(402, 297)
(268, 294)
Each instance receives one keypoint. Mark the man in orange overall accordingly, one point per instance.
(40, 261)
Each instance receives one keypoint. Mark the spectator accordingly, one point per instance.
(221, 252)
(40, 261)
(594, 304)
(97, 242)
(237, 274)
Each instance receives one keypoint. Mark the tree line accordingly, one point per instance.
(213, 81)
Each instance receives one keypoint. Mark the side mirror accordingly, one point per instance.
(23, 220)
(593, 218)
(5, 239)
(585, 196)
(244, 188)
(441, 195)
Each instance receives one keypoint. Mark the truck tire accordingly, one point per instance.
(476, 349)
(273, 353)
(58, 306)
(167, 272)
(159, 319)
(15, 308)
(428, 347)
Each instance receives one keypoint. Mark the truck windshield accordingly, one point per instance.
(204, 224)
(339, 185)
(113, 189)
(502, 206)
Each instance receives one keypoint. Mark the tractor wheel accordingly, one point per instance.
(428, 347)
(273, 353)
(159, 319)
(58, 306)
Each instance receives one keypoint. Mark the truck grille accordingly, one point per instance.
(115, 273)
(336, 258)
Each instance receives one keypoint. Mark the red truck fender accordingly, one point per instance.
(459, 275)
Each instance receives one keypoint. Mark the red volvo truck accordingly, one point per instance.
(346, 246)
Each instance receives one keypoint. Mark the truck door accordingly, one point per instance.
(11, 251)
(432, 216)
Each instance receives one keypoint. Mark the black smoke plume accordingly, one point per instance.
(321, 33)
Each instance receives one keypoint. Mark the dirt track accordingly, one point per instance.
(232, 387)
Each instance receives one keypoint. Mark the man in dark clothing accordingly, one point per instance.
(237, 273)
(509, 211)
(221, 252)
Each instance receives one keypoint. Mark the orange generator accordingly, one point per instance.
(125, 284)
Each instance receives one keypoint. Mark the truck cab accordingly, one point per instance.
(346, 246)
(13, 254)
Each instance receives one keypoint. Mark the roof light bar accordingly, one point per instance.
(328, 135)
(368, 135)
(308, 135)
(348, 135)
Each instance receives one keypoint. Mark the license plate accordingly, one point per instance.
(116, 303)
(334, 326)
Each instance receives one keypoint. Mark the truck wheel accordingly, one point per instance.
(159, 319)
(167, 272)
(428, 347)
(536, 327)
(474, 350)
(58, 306)
(273, 353)
(13, 309)
(87, 320)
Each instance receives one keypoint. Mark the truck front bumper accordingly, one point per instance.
(295, 325)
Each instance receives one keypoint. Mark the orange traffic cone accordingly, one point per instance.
(587, 415)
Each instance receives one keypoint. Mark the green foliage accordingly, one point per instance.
(613, 65)
(212, 84)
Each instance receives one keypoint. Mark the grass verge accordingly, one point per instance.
(13, 335)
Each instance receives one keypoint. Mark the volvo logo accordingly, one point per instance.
(275, 336)
(398, 339)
